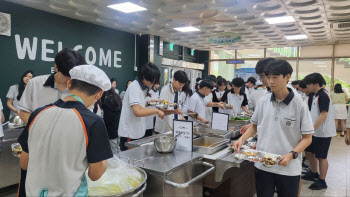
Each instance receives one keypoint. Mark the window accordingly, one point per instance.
(282, 52)
(220, 68)
(342, 73)
(225, 54)
(250, 53)
(322, 66)
(248, 64)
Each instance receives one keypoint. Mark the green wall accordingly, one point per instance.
(30, 23)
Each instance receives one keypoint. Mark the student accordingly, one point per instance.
(339, 99)
(236, 98)
(210, 97)
(172, 94)
(15, 93)
(63, 152)
(2, 121)
(199, 102)
(307, 96)
(150, 120)
(249, 86)
(186, 94)
(114, 85)
(228, 86)
(258, 92)
(45, 89)
(196, 86)
(283, 124)
(132, 125)
(111, 104)
(323, 119)
(219, 92)
(126, 87)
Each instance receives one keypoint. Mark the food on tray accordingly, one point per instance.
(269, 160)
(240, 118)
(250, 153)
(165, 102)
(254, 158)
(118, 178)
(239, 156)
(16, 149)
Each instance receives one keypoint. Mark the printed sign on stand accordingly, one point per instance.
(220, 121)
(185, 140)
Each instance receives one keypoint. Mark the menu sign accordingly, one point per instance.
(220, 121)
(185, 140)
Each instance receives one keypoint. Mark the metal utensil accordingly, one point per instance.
(169, 126)
(176, 137)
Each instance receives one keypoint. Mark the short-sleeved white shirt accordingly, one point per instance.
(256, 95)
(1, 130)
(198, 103)
(131, 126)
(185, 100)
(209, 110)
(327, 128)
(150, 119)
(280, 126)
(12, 94)
(40, 91)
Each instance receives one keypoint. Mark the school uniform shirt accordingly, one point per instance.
(1, 130)
(116, 91)
(237, 101)
(12, 94)
(185, 100)
(40, 91)
(131, 126)
(150, 119)
(168, 93)
(322, 102)
(198, 103)
(280, 126)
(247, 91)
(59, 153)
(209, 110)
(256, 95)
(219, 94)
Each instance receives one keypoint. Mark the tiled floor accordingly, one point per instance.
(338, 177)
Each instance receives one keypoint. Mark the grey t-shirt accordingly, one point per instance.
(12, 94)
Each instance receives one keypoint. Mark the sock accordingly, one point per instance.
(342, 133)
(315, 175)
(323, 181)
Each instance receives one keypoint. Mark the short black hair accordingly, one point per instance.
(251, 80)
(198, 79)
(221, 81)
(302, 84)
(315, 78)
(149, 72)
(87, 88)
(296, 82)
(211, 78)
(114, 79)
(206, 83)
(180, 76)
(338, 88)
(66, 59)
(238, 82)
(278, 67)
(261, 65)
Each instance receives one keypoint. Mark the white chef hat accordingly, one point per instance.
(92, 75)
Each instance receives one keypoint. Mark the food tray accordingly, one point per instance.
(257, 156)
(209, 145)
(16, 149)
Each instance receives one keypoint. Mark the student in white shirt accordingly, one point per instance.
(186, 94)
(236, 99)
(307, 96)
(210, 97)
(283, 124)
(152, 96)
(249, 86)
(260, 91)
(198, 102)
(172, 94)
(219, 92)
(15, 93)
(132, 123)
(322, 114)
(126, 87)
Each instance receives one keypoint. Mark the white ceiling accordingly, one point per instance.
(311, 17)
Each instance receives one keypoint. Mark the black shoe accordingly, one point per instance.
(306, 171)
(341, 135)
(304, 165)
(309, 177)
(318, 186)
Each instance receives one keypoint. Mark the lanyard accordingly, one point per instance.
(77, 98)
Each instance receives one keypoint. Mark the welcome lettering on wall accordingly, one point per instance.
(28, 48)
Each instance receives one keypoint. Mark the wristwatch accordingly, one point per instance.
(295, 154)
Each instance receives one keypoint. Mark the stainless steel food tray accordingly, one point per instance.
(214, 144)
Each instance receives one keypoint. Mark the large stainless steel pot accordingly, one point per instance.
(165, 144)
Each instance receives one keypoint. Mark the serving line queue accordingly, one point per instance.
(287, 120)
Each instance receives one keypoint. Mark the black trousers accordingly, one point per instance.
(123, 140)
(267, 182)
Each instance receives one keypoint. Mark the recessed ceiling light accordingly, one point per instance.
(296, 37)
(282, 19)
(186, 29)
(127, 7)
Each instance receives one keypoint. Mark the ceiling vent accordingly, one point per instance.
(339, 24)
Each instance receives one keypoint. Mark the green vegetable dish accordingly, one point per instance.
(240, 118)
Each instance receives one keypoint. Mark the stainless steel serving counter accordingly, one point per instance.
(9, 164)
